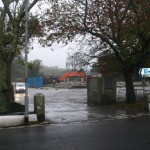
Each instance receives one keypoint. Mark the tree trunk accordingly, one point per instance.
(6, 88)
(130, 93)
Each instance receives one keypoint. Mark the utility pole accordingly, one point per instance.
(26, 63)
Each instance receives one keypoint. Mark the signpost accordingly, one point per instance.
(145, 72)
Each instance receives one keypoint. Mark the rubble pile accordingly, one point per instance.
(71, 84)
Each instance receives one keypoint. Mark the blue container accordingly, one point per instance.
(35, 82)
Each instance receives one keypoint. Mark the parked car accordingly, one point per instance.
(20, 87)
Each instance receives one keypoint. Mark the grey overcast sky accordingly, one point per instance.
(50, 56)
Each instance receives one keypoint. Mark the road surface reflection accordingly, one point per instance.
(19, 97)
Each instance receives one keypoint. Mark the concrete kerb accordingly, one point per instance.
(18, 121)
(7, 121)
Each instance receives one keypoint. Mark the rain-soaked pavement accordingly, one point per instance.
(70, 105)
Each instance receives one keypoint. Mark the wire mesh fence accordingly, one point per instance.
(139, 88)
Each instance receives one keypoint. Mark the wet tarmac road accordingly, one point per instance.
(125, 134)
(77, 126)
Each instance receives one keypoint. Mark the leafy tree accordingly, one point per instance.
(17, 71)
(34, 68)
(12, 19)
(119, 27)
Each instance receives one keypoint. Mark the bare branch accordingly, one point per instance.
(6, 5)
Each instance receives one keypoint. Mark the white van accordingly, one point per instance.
(20, 87)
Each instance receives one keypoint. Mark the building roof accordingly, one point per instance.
(72, 74)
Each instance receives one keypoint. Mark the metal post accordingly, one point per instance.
(26, 63)
(143, 84)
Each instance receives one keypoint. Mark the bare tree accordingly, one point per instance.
(75, 61)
